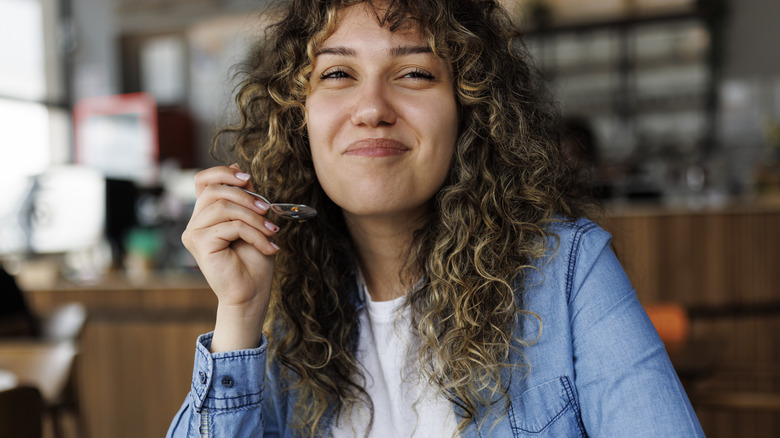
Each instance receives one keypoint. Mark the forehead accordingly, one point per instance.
(363, 21)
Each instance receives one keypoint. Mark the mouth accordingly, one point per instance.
(376, 147)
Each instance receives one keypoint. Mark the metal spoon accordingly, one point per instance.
(297, 212)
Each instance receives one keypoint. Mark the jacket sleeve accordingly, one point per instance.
(226, 394)
(626, 383)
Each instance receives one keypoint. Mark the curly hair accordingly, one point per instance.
(483, 230)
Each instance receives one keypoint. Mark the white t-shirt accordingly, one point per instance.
(404, 404)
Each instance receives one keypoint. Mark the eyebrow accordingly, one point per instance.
(395, 51)
(342, 51)
(410, 50)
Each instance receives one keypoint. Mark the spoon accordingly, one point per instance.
(297, 212)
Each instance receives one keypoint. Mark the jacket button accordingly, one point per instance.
(227, 382)
(202, 377)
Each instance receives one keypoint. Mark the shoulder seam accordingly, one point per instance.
(575, 244)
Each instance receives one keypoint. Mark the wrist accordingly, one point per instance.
(237, 328)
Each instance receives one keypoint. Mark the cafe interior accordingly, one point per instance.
(108, 108)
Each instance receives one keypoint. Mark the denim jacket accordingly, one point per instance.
(598, 368)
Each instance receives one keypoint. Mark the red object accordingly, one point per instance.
(671, 321)
(117, 134)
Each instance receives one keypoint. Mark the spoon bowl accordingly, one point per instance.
(298, 212)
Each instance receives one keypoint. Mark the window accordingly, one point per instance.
(34, 130)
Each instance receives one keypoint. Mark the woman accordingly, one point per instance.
(445, 287)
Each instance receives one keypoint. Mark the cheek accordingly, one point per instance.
(448, 131)
(318, 157)
(322, 127)
(440, 114)
(313, 122)
(449, 136)
(317, 131)
(319, 147)
(322, 122)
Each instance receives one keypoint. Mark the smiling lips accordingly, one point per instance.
(376, 147)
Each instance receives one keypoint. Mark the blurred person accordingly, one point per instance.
(16, 318)
(450, 284)
(580, 150)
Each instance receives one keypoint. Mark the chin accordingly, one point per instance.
(378, 210)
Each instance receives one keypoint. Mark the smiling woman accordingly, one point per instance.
(449, 284)
(381, 118)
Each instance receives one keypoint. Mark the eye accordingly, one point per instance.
(419, 73)
(334, 73)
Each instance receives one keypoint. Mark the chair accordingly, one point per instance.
(66, 324)
(21, 412)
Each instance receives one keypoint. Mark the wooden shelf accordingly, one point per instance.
(616, 23)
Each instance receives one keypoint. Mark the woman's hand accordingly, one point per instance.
(230, 239)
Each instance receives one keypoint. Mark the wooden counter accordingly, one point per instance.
(137, 351)
(46, 366)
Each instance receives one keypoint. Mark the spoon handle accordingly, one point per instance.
(255, 195)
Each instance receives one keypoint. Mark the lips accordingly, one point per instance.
(376, 147)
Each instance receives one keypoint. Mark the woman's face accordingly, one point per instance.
(381, 118)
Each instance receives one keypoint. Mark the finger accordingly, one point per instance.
(219, 175)
(219, 237)
(223, 210)
(216, 193)
(242, 176)
(206, 241)
(248, 185)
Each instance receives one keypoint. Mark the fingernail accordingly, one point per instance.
(274, 245)
(271, 226)
(242, 176)
(261, 205)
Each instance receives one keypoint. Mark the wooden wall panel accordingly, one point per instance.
(143, 382)
(715, 258)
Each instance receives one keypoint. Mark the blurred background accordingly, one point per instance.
(107, 108)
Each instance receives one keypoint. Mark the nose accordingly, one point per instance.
(373, 106)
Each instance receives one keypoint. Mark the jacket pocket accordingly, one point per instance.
(547, 410)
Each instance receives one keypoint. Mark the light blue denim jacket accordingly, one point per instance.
(598, 368)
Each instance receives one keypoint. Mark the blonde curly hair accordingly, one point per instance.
(483, 230)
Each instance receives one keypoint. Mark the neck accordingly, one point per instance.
(382, 245)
